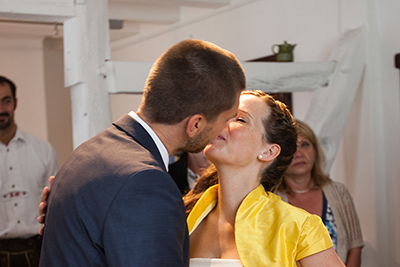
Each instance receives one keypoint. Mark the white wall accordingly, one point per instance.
(367, 160)
(384, 83)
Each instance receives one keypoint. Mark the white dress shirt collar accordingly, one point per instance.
(163, 150)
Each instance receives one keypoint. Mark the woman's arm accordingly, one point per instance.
(326, 258)
(354, 257)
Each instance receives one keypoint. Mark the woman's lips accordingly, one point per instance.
(298, 163)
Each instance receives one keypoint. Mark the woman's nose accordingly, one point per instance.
(298, 153)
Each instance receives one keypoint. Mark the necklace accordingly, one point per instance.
(301, 191)
(305, 190)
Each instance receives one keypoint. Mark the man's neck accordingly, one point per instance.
(7, 134)
(170, 135)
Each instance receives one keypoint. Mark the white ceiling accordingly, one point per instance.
(137, 16)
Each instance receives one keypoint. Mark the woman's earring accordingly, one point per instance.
(260, 157)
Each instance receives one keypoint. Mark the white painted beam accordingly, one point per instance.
(130, 77)
(30, 30)
(144, 12)
(205, 3)
(86, 49)
(46, 11)
(287, 77)
(193, 3)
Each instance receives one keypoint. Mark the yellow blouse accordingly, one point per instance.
(268, 231)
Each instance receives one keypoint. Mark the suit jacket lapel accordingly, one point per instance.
(129, 125)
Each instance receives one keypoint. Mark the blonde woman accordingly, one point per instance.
(306, 186)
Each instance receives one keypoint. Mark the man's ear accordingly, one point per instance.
(195, 124)
(272, 151)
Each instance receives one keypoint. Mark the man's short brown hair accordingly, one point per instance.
(192, 77)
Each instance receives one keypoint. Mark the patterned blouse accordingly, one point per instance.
(329, 220)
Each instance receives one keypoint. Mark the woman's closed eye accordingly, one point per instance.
(241, 119)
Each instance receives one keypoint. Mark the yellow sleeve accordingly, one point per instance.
(314, 238)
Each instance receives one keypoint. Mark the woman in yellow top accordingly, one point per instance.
(233, 218)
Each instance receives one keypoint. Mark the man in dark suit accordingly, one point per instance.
(112, 202)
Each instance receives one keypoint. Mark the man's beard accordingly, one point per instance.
(197, 143)
(5, 122)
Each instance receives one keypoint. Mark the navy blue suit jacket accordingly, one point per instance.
(113, 204)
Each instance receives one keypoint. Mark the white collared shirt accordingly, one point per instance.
(26, 164)
(163, 150)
